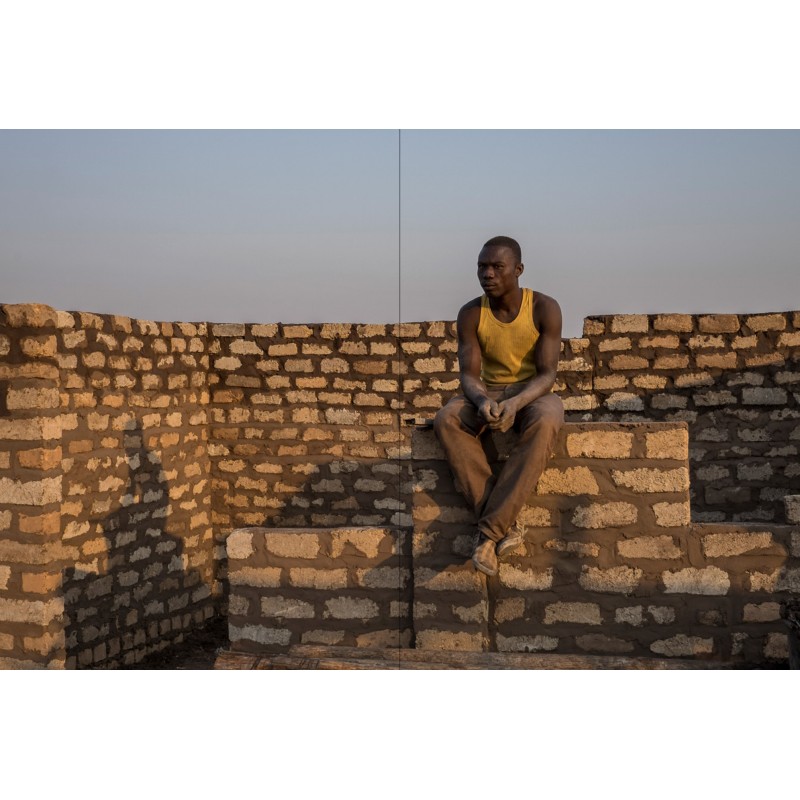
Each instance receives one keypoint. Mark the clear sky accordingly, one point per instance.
(302, 226)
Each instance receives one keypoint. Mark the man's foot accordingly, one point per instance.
(484, 557)
(514, 538)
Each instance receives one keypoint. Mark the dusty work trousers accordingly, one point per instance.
(458, 428)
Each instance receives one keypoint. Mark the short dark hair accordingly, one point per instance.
(506, 241)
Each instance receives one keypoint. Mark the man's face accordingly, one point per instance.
(497, 270)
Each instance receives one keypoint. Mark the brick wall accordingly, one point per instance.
(129, 449)
(107, 501)
(612, 563)
(734, 378)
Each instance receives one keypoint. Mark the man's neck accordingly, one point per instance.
(509, 303)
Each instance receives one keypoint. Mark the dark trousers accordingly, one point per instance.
(497, 503)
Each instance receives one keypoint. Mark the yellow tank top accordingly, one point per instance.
(507, 347)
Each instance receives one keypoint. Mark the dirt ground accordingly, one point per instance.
(198, 651)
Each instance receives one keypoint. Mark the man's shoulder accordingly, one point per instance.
(546, 312)
(540, 298)
(470, 308)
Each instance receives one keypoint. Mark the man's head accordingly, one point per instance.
(500, 265)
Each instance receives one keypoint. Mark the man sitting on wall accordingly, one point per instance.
(508, 346)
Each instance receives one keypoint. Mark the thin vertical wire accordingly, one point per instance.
(400, 538)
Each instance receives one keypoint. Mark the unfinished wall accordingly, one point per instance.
(129, 449)
(107, 503)
(334, 586)
(611, 564)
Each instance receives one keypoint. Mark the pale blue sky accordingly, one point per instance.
(302, 226)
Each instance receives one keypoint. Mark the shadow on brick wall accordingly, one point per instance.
(132, 595)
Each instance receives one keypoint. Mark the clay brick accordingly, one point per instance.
(226, 329)
(668, 444)
(707, 581)
(629, 323)
(649, 547)
(30, 398)
(525, 644)
(722, 361)
(629, 615)
(262, 577)
(5, 574)
(525, 579)
(30, 493)
(580, 548)
(449, 640)
(599, 444)
(649, 381)
(610, 382)
(39, 346)
(382, 577)
(683, 645)
(702, 342)
(584, 613)
(593, 327)
(617, 580)
(336, 330)
(624, 401)
(670, 342)
(260, 634)
(322, 637)
(298, 365)
(621, 343)
(239, 544)
(244, 347)
(715, 398)
(308, 578)
(580, 403)
(292, 545)
(646, 480)
(570, 481)
(535, 517)
(777, 646)
(673, 322)
(416, 347)
(40, 458)
(466, 580)
(33, 315)
(671, 362)
(509, 608)
(789, 340)
(764, 359)
(628, 362)
(37, 612)
(762, 396)
(297, 331)
(761, 612)
(719, 323)
(766, 322)
(284, 608)
(719, 545)
(350, 608)
(426, 365)
(604, 515)
(227, 363)
(753, 472)
(671, 515)
(370, 330)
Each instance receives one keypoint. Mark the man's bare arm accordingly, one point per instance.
(469, 362)
(545, 358)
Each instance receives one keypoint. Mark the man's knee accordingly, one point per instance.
(547, 415)
(446, 417)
